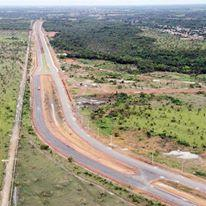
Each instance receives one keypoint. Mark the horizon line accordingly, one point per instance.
(96, 5)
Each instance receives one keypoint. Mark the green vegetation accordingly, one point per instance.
(14, 24)
(51, 180)
(106, 71)
(124, 43)
(152, 125)
(169, 42)
(165, 116)
(111, 76)
(12, 53)
(200, 173)
(108, 65)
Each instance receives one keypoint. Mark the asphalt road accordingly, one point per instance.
(145, 172)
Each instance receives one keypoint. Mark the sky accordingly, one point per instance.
(97, 2)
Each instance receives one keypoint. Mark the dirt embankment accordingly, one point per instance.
(51, 34)
(175, 188)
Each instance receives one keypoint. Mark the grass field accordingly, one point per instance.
(146, 124)
(51, 180)
(170, 42)
(104, 70)
(178, 119)
(12, 52)
(117, 76)
(153, 124)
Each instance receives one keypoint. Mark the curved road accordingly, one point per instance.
(145, 174)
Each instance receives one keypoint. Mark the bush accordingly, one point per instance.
(200, 173)
(70, 159)
(44, 147)
(183, 142)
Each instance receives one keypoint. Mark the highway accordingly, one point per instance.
(145, 173)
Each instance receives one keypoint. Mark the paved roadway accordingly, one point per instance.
(146, 172)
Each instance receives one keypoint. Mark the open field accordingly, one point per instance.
(147, 124)
(170, 42)
(110, 77)
(151, 113)
(12, 53)
(155, 116)
(50, 180)
(152, 124)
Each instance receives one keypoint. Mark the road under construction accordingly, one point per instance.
(56, 125)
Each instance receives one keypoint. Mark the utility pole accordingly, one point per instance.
(111, 141)
(98, 132)
(88, 126)
(182, 165)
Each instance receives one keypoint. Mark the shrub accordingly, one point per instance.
(70, 159)
(183, 142)
(44, 147)
(200, 173)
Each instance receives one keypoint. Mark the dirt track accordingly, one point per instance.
(10, 167)
(108, 91)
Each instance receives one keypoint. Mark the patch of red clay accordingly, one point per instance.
(51, 34)
(70, 60)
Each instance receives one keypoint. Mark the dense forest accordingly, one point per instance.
(124, 43)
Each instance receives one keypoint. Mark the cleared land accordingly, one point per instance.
(110, 77)
(159, 112)
(149, 124)
(12, 53)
